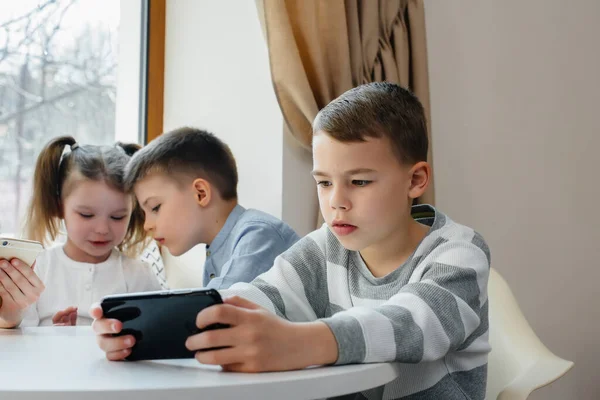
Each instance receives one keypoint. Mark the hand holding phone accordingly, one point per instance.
(16, 293)
(160, 321)
(24, 250)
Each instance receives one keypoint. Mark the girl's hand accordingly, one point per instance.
(19, 288)
(66, 317)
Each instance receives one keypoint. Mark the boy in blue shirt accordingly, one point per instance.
(186, 184)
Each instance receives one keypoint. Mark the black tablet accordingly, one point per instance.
(160, 321)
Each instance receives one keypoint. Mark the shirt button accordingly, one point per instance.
(212, 276)
(207, 253)
(91, 269)
(88, 286)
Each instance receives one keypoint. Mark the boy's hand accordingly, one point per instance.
(19, 288)
(116, 348)
(66, 317)
(258, 340)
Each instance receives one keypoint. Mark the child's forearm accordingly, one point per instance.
(319, 346)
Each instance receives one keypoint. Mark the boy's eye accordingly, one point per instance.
(87, 216)
(118, 218)
(155, 209)
(324, 183)
(360, 182)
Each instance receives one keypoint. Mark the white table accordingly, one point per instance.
(66, 363)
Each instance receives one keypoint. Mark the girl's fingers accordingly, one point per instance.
(73, 318)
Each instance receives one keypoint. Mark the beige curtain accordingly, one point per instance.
(318, 49)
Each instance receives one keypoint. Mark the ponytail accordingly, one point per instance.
(45, 212)
(129, 148)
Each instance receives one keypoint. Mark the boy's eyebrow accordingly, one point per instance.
(350, 172)
(360, 171)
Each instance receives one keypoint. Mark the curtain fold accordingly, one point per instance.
(319, 49)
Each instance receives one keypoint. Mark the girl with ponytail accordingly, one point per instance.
(82, 186)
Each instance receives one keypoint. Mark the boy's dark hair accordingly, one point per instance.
(377, 110)
(188, 151)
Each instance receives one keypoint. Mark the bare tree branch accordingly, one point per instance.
(38, 9)
(28, 34)
(68, 88)
(8, 117)
(11, 84)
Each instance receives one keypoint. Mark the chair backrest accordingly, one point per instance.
(516, 350)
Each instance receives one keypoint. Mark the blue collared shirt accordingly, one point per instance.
(246, 246)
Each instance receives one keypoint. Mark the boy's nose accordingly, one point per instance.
(339, 200)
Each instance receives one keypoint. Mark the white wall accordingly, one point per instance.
(217, 78)
(515, 95)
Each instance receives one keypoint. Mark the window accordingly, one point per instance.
(67, 67)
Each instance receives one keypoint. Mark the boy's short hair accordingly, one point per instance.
(187, 151)
(378, 110)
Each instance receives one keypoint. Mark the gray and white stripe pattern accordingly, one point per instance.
(430, 315)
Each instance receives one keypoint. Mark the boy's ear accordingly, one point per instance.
(420, 175)
(202, 191)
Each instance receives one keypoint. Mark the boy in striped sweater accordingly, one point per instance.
(381, 281)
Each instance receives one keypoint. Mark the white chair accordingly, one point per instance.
(519, 362)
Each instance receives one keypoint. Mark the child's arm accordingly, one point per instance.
(424, 321)
(20, 287)
(259, 340)
(254, 253)
(284, 288)
(273, 320)
(445, 311)
(286, 345)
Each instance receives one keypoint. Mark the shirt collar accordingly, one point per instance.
(232, 219)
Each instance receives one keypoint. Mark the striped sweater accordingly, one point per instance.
(430, 315)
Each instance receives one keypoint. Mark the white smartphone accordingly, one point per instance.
(25, 250)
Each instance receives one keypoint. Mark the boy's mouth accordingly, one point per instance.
(160, 241)
(342, 228)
